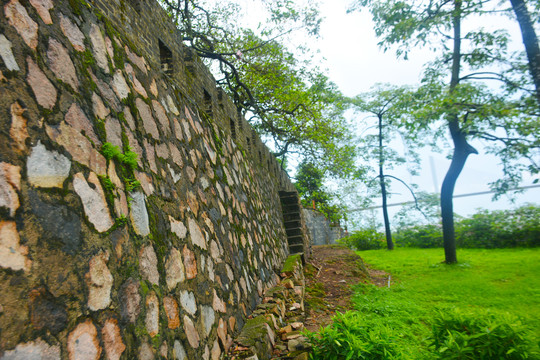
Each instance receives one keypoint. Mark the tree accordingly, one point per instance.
(283, 94)
(389, 104)
(530, 40)
(454, 91)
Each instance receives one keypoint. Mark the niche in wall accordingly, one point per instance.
(166, 59)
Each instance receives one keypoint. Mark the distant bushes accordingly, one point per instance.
(365, 239)
(486, 229)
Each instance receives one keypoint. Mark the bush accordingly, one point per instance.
(365, 239)
(478, 336)
(351, 337)
(420, 236)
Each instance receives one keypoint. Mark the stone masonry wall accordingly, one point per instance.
(320, 229)
(139, 215)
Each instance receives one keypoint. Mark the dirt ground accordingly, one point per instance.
(331, 272)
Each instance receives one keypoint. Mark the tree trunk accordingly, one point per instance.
(387, 231)
(530, 40)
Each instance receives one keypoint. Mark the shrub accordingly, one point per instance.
(420, 236)
(480, 335)
(365, 239)
(350, 336)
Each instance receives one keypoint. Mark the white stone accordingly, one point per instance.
(139, 214)
(99, 281)
(119, 85)
(35, 350)
(174, 268)
(197, 236)
(72, 32)
(93, 199)
(172, 107)
(100, 49)
(148, 265)
(12, 254)
(178, 351)
(208, 318)
(187, 299)
(177, 227)
(7, 55)
(47, 168)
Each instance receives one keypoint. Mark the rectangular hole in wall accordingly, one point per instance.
(136, 5)
(166, 58)
(248, 142)
(233, 128)
(260, 156)
(207, 103)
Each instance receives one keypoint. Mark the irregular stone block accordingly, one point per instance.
(43, 7)
(119, 85)
(78, 120)
(178, 351)
(187, 299)
(177, 227)
(174, 268)
(7, 54)
(99, 47)
(197, 236)
(172, 312)
(112, 340)
(26, 27)
(139, 214)
(134, 81)
(130, 301)
(190, 263)
(82, 343)
(72, 32)
(61, 64)
(114, 131)
(34, 350)
(43, 89)
(208, 319)
(46, 311)
(10, 182)
(152, 314)
(18, 131)
(148, 265)
(93, 200)
(47, 168)
(12, 254)
(191, 332)
(149, 123)
(162, 117)
(99, 281)
(218, 304)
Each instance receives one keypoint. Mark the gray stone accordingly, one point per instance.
(178, 351)
(208, 318)
(72, 32)
(7, 54)
(162, 117)
(47, 168)
(187, 299)
(148, 120)
(100, 110)
(93, 199)
(130, 301)
(61, 64)
(34, 350)
(119, 85)
(78, 120)
(172, 106)
(139, 214)
(26, 27)
(114, 132)
(107, 93)
(100, 50)
(191, 332)
(46, 311)
(148, 264)
(44, 91)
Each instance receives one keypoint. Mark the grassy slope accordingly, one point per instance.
(502, 280)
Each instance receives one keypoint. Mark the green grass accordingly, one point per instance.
(497, 280)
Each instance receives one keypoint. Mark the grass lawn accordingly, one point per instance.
(498, 280)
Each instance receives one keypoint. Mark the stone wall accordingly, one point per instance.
(139, 215)
(321, 231)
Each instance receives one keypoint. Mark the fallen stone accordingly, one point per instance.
(191, 332)
(139, 214)
(174, 268)
(12, 254)
(99, 281)
(148, 265)
(172, 312)
(26, 27)
(7, 54)
(73, 33)
(10, 182)
(82, 343)
(152, 314)
(34, 350)
(112, 340)
(93, 199)
(61, 65)
(43, 89)
(43, 7)
(99, 47)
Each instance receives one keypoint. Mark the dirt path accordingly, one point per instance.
(330, 273)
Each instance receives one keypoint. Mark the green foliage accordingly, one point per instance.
(129, 158)
(364, 239)
(350, 336)
(486, 229)
(479, 335)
